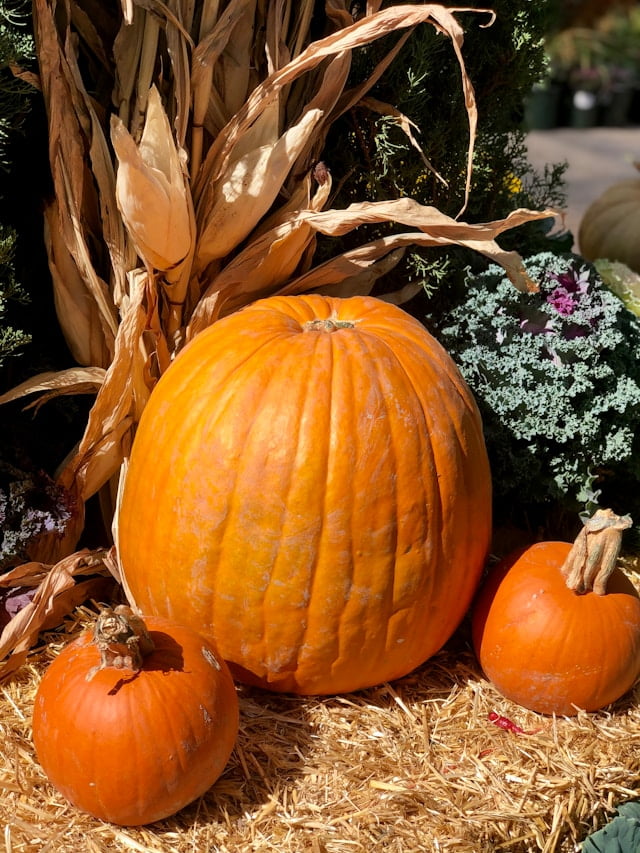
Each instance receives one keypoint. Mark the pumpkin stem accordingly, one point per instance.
(330, 324)
(594, 554)
(122, 638)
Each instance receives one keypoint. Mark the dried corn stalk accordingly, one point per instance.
(190, 190)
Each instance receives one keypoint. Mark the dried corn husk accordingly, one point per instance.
(255, 271)
(57, 593)
(151, 192)
(246, 190)
(89, 339)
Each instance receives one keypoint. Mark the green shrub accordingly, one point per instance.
(371, 157)
(11, 340)
(16, 47)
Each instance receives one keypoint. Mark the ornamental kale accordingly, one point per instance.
(620, 835)
(556, 375)
(31, 504)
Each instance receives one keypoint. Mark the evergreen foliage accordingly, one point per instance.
(16, 48)
(10, 339)
(372, 159)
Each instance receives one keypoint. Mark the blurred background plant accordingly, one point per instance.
(31, 505)
(593, 66)
(11, 339)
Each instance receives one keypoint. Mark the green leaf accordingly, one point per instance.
(621, 835)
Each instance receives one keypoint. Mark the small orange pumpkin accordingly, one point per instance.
(135, 720)
(556, 627)
(309, 483)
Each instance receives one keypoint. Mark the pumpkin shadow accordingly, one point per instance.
(295, 753)
(171, 660)
(285, 740)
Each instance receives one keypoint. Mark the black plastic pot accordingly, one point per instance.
(542, 107)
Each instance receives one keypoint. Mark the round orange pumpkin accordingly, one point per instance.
(133, 723)
(547, 639)
(309, 484)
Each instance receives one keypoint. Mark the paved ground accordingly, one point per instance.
(597, 158)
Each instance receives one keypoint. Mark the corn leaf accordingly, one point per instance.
(73, 380)
(57, 593)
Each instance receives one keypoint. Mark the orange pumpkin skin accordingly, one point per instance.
(548, 648)
(313, 492)
(134, 748)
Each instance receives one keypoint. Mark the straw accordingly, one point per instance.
(417, 765)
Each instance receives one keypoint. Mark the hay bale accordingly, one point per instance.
(408, 767)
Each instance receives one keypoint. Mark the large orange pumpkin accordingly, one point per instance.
(309, 484)
(134, 720)
(556, 626)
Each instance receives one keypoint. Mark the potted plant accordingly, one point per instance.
(585, 84)
(616, 96)
(542, 106)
